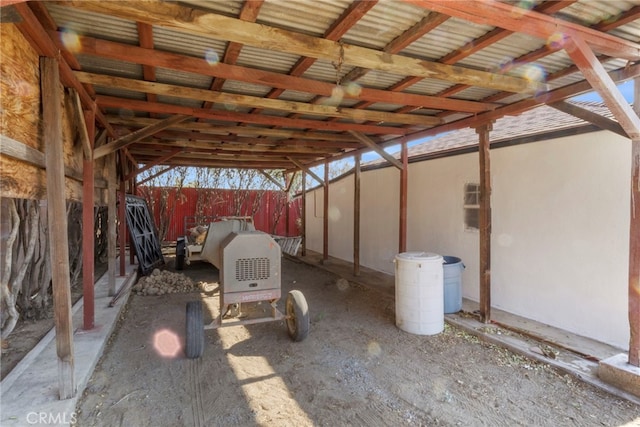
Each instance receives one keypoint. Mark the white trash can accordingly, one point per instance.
(419, 293)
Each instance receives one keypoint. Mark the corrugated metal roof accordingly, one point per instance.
(93, 24)
(383, 23)
(312, 18)
(377, 28)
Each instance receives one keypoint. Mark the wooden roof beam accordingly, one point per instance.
(272, 179)
(595, 73)
(516, 19)
(254, 101)
(159, 161)
(138, 135)
(156, 107)
(137, 55)
(589, 116)
(174, 16)
(307, 170)
(210, 129)
(375, 147)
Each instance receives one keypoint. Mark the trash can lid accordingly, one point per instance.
(419, 256)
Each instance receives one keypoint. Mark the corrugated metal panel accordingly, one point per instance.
(292, 95)
(189, 44)
(313, 17)
(234, 86)
(447, 37)
(429, 87)
(227, 7)
(269, 60)
(474, 93)
(93, 24)
(383, 23)
(379, 79)
(589, 12)
(502, 52)
(95, 64)
(326, 71)
(164, 75)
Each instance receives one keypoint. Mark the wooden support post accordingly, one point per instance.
(485, 223)
(325, 216)
(123, 229)
(132, 247)
(88, 227)
(634, 243)
(57, 219)
(112, 232)
(303, 222)
(356, 217)
(402, 238)
(288, 179)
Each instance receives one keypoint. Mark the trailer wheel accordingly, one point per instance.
(180, 254)
(297, 316)
(195, 330)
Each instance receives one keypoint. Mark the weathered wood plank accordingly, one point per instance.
(325, 215)
(138, 135)
(375, 147)
(294, 81)
(485, 223)
(87, 127)
(112, 230)
(254, 101)
(262, 36)
(307, 170)
(589, 116)
(57, 219)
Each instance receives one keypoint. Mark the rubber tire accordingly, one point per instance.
(298, 323)
(180, 254)
(194, 345)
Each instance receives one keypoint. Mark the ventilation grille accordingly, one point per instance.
(252, 269)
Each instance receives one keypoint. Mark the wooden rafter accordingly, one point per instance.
(517, 19)
(589, 116)
(138, 135)
(108, 101)
(253, 101)
(123, 52)
(218, 26)
(375, 147)
(307, 170)
(595, 74)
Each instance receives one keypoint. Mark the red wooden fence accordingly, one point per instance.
(169, 207)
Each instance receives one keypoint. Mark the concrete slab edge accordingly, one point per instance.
(524, 351)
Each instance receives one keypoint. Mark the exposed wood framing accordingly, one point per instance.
(122, 231)
(485, 223)
(235, 30)
(356, 216)
(88, 220)
(404, 182)
(57, 219)
(590, 116)
(254, 101)
(113, 102)
(150, 164)
(303, 215)
(634, 244)
(307, 170)
(155, 175)
(82, 126)
(138, 135)
(112, 231)
(595, 74)
(514, 18)
(375, 147)
(148, 57)
(272, 179)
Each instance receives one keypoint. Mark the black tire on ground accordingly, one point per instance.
(180, 254)
(195, 330)
(298, 312)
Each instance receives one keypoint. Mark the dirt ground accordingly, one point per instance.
(355, 368)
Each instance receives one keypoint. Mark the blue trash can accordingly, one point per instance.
(452, 280)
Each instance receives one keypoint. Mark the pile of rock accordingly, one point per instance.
(165, 282)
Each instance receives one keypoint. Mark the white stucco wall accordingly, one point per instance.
(560, 237)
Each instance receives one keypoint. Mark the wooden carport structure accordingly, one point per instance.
(289, 86)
